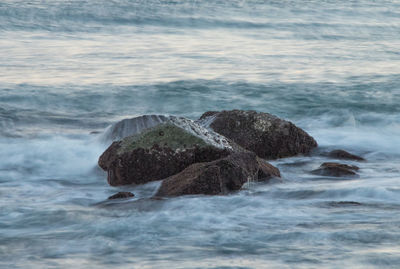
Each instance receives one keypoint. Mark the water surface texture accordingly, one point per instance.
(68, 68)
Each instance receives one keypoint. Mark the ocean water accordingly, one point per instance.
(70, 68)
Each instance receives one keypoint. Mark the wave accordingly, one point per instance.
(84, 15)
(331, 108)
(48, 156)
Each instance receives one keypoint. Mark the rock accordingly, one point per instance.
(266, 170)
(342, 154)
(217, 177)
(121, 195)
(161, 151)
(267, 135)
(336, 170)
(341, 165)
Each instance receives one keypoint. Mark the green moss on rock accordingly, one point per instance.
(168, 135)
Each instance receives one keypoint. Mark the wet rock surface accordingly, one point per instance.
(267, 135)
(336, 170)
(340, 165)
(266, 171)
(217, 177)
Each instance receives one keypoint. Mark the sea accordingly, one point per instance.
(70, 68)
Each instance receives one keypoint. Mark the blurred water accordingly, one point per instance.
(68, 68)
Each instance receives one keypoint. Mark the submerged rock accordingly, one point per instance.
(161, 151)
(217, 177)
(121, 195)
(344, 203)
(267, 135)
(341, 165)
(342, 154)
(336, 170)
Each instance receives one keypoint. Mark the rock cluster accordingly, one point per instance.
(216, 154)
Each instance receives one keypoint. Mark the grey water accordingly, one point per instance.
(71, 68)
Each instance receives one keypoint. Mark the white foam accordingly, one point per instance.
(49, 157)
(207, 135)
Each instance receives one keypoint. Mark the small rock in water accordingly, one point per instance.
(121, 195)
(345, 203)
(342, 154)
(340, 165)
(336, 170)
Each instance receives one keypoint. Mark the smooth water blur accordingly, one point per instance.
(142, 42)
(69, 68)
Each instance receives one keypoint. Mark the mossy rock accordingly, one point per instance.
(157, 153)
(163, 135)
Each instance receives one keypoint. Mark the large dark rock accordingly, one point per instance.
(342, 154)
(217, 177)
(161, 151)
(336, 170)
(267, 135)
